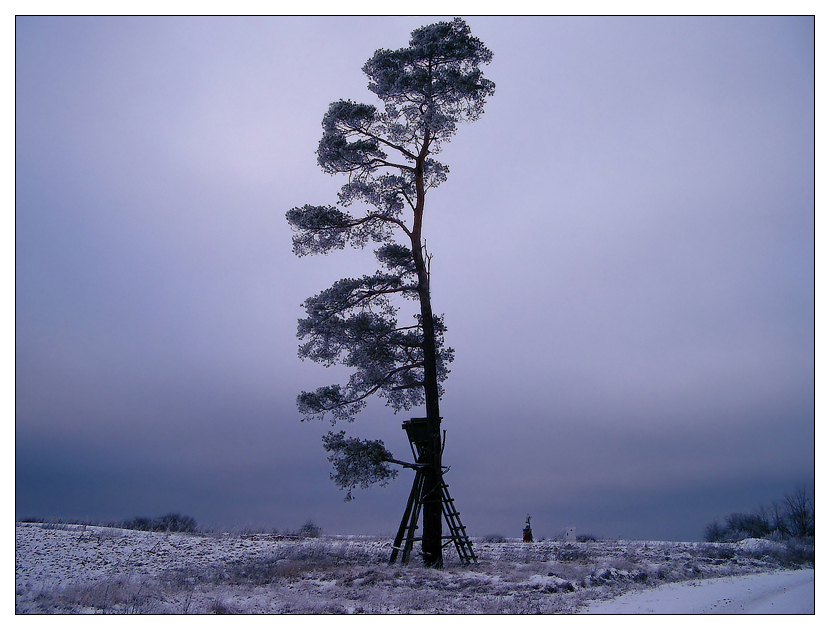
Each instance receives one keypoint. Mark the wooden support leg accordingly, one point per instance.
(414, 497)
(413, 521)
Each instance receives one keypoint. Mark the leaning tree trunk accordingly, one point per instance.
(431, 493)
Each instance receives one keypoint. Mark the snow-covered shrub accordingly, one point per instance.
(719, 551)
(221, 607)
(118, 594)
(789, 554)
(310, 530)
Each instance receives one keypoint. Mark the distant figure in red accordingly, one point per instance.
(527, 533)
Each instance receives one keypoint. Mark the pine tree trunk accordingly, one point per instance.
(431, 494)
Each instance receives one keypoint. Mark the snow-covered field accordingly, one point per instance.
(77, 569)
(783, 592)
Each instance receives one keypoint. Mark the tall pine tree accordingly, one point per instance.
(427, 89)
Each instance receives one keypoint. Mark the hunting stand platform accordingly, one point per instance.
(416, 431)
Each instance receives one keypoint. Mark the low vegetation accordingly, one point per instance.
(83, 569)
(167, 523)
(790, 519)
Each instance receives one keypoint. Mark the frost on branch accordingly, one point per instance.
(436, 82)
(354, 324)
(350, 142)
(388, 359)
(396, 258)
(321, 229)
(357, 462)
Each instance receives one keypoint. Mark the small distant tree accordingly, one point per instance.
(741, 525)
(310, 530)
(800, 514)
(175, 523)
(714, 532)
(778, 520)
(426, 90)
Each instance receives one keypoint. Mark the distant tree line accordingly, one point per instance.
(166, 523)
(173, 522)
(791, 517)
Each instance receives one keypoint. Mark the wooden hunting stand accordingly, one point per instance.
(416, 431)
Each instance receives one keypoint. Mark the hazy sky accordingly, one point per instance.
(623, 252)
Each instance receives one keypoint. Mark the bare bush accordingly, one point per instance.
(168, 523)
(714, 532)
(794, 517)
(310, 530)
(800, 513)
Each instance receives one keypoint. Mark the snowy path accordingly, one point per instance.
(784, 592)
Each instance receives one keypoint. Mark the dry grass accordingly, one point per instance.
(147, 573)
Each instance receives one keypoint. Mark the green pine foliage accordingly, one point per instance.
(427, 89)
(357, 462)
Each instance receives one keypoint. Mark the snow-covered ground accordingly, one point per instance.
(784, 593)
(77, 569)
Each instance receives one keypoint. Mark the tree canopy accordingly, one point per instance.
(427, 89)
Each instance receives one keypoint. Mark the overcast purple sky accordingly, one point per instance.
(624, 252)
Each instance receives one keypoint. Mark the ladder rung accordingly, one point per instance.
(458, 533)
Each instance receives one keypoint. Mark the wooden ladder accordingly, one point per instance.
(405, 538)
(458, 533)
